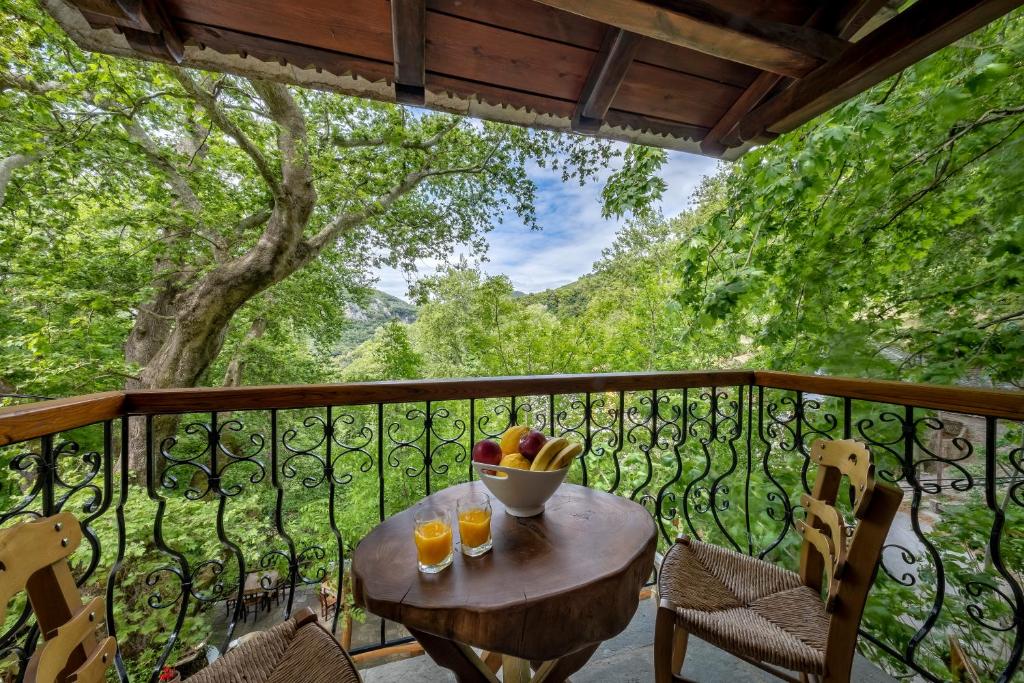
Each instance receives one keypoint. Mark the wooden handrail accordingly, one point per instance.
(161, 401)
(989, 402)
(30, 421)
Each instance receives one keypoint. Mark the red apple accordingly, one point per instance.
(530, 444)
(487, 452)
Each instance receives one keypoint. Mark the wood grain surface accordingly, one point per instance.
(32, 420)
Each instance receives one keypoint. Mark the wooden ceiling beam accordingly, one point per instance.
(408, 31)
(912, 35)
(606, 75)
(714, 142)
(767, 45)
(843, 18)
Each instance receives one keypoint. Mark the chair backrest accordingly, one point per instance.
(33, 558)
(832, 557)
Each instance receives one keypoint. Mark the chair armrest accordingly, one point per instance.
(304, 616)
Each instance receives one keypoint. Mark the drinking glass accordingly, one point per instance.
(433, 537)
(474, 512)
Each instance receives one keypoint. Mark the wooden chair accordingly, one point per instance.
(33, 558)
(295, 650)
(328, 599)
(771, 617)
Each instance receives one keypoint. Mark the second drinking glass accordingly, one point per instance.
(474, 512)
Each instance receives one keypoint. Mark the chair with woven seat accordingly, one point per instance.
(771, 617)
(33, 558)
(295, 650)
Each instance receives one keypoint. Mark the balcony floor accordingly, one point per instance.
(627, 658)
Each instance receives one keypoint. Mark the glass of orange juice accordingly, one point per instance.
(474, 512)
(433, 537)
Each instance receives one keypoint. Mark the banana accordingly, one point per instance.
(510, 439)
(564, 457)
(547, 453)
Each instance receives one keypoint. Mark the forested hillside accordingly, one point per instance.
(364, 317)
(835, 248)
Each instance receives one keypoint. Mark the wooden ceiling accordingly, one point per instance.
(707, 77)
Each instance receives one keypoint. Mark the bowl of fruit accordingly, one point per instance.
(524, 469)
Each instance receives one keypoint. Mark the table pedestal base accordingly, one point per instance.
(468, 667)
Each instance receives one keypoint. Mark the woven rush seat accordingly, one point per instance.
(291, 652)
(745, 605)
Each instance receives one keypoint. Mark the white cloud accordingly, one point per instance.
(573, 235)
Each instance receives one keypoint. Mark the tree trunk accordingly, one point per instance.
(180, 334)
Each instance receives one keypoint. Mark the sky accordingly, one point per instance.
(573, 233)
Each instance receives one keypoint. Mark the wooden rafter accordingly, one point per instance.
(768, 45)
(714, 142)
(858, 17)
(606, 75)
(921, 29)
(844, 18)
(408, 30)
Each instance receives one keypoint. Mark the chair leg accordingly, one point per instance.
(669, 646)
(680, 639)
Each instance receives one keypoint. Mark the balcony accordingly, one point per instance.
(210, 510)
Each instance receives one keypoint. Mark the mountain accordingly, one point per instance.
(567, 301)
(365, 317)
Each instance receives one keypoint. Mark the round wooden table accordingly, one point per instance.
(551, 590)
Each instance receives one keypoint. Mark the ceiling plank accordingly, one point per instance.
(408, 31)
(606, 75)
(771, 46)
(912, 35)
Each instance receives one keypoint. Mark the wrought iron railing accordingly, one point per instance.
(182, 493)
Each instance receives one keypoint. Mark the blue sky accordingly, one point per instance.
(573, 232)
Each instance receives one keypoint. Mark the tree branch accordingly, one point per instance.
(989, 117)
(11, 81)
(179, 186)
(209, 102)
(253, 220)
(9, 165)
(411, 181)
(331, 231)
(1002, 319)
(291, 136)
(942, 175)
(432, 141)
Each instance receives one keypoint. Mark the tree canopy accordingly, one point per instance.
(155, 217)
(885, 239)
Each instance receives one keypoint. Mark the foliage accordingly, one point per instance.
(165, 212)
(885, 239)
(834, 248)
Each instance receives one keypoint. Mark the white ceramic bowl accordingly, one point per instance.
(522, 492)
